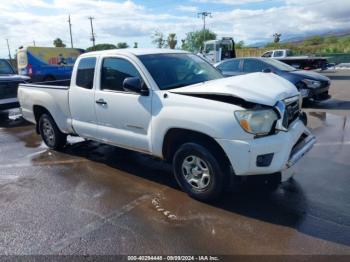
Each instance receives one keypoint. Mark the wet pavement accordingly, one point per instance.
(98, 199)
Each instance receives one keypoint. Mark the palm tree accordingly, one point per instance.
(172, 42)
(276, 37)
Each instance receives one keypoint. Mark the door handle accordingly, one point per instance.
(101, 102)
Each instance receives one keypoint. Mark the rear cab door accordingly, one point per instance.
(82, 97)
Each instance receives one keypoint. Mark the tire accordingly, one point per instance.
(50, 133)
(198, 172)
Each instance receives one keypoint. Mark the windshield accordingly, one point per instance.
(278, 64)
(5, 68)
(177, 70)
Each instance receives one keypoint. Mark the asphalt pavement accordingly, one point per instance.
(97, 199)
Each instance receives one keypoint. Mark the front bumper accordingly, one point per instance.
(318, 94)
(287, 148)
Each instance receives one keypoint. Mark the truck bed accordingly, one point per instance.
(301, 58)
(50, 96)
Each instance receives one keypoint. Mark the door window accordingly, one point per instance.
(209, 48)
(5, 68)
(114, 72)
(85, 73)
(251, 66)
(278, 54)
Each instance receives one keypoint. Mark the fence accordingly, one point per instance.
(337, 58)
(250, 52)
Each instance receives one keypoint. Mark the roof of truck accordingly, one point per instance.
(137, 51)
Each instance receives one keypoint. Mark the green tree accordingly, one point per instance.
(183, 44)
(136, 45)
(195, 40)
(58, 43)
(100, 47)
(239, 45)
(273, 45)
(331, 40)
(158, 39)
(172, 41)
(276, 37)
(314, 40)
(122, 45)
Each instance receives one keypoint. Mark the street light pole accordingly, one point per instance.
(8, 48)
(204, 16)
(92, 31)
(70, 31)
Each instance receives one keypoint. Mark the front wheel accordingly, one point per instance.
(50, 133)
(198, 172)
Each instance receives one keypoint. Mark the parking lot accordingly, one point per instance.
(98, 199)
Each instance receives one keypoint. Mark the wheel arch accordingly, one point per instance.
(175, 137)
(38, 112)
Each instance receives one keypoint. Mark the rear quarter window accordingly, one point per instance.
(252, 66)
(232, 66)
(85, 72)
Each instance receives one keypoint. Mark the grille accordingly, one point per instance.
(292, 111)
(8, 89)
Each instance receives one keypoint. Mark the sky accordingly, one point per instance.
(25, 21)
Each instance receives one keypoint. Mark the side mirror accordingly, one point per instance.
(136, 85)
(267, 70)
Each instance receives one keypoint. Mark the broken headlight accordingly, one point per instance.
(257, 122)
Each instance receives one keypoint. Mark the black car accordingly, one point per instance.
(311, 85)
(9, 81)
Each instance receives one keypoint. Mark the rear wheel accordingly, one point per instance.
(198, 172)
(50, 133)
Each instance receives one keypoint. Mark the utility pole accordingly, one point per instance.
(70, 31)
(8, 47)
(33, 42)
(204, 16)
(92, 32)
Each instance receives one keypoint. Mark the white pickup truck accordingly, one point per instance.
(300, 62)
(176, 106)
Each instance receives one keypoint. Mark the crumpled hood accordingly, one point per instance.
(260, 88)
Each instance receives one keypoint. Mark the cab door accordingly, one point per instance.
(82, 98)
(124, 118)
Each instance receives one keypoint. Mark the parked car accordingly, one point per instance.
(176, 106)
(9, 81)
(311, 85)
(299, 62)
